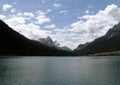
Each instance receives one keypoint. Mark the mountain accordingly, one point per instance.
(107, 43)
(13, 43)
(49, 42)
(82, 45)
(65, 48)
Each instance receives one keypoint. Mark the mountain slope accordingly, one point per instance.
(49, 42)
(13, 43)
(109, 42)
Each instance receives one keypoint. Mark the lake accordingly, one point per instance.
(60, 71)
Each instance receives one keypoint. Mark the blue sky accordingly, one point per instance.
(70, 22)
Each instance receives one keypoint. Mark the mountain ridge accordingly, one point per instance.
(13, 43)
(109, 42)
(49, 42)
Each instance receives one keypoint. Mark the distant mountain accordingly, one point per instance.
(107, 43)
(13, 43)
(65, 48)
(49, 42)
(81, 46)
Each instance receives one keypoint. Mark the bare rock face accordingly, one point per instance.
(49, 42)
(113, 31)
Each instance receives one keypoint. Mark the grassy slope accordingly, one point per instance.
(114, 53)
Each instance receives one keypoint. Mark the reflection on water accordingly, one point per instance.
(60, 71)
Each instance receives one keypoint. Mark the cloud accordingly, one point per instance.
(28, 14)
(2, 16)
(26, 23)
(66, 37)
(30, 30)
(48, 10)
(42, 19)
(89, 12)
(112, 11)
(6, 7)
(57, 5)
(63, 12)
(50, 26)
(88, 27)
(13, 10)
(39, 12)
(95, 23)
(16, 20)
(85, 29)
(19, 14)
(43, 1)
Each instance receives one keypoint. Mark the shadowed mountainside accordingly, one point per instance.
(107, 43)
(13, 43)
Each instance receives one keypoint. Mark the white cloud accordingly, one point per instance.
(93, 23)
(41, 18)
(2, 16)
(19, 14)
(24, 23)
(43, 1)
(16, 20)
(30, 30)
(50, 26)
(65, 12)
(86, 29)
(112, 11)
(39, 12)
(90, 27)
(88, 12)
(77, 26)
(28, 14)
(66, 38)
(57, 5)
(13, 10)
(6, 7)
(48, 10)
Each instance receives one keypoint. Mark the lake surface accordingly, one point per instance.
(60, 71)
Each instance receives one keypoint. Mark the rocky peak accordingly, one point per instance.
(113, 31)
(117, 27)
(47, 41)
(48, 38)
